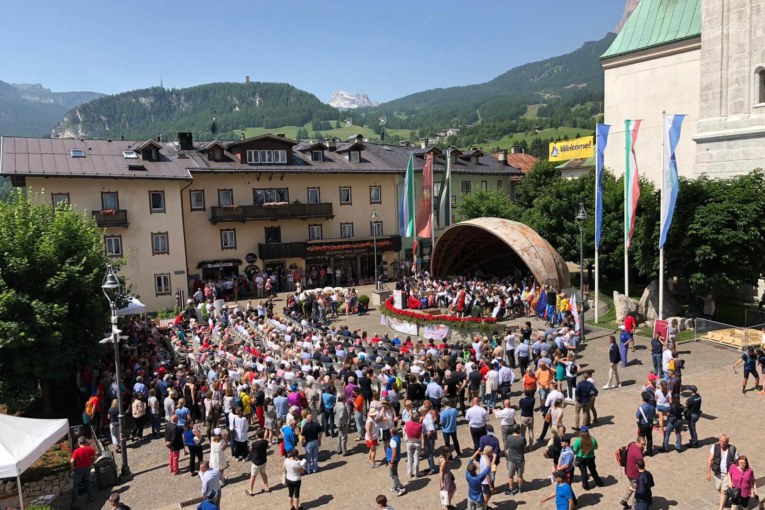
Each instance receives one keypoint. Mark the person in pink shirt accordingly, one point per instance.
(741, 477)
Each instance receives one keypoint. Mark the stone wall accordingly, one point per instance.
(52, 484)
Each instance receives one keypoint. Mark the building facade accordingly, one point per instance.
(703, 58)
(178, 213)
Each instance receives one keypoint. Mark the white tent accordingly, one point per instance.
(23, 441)
(134, 307)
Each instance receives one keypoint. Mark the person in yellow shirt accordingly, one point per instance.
(562, 306)
(244, 395)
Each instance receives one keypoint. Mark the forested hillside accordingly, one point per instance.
(145, 113)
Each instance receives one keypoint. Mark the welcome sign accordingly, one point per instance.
(572, 149)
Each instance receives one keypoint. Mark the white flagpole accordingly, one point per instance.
(662, 212)
(597, 265)
(626, 225)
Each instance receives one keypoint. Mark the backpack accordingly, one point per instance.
(238, 402)
(621, 456)
(90, 407)
(398, 384)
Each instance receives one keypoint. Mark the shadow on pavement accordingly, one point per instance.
(318, 502)
(417, 484)
(588, 499)
(333, 465)
(660, 503)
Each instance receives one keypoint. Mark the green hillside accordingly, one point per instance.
(145, 113)
(342, 133)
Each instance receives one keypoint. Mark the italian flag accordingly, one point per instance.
(631, 180)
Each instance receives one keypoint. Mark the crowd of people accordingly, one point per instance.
(248, 379)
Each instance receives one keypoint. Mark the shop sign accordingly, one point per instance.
(251, 258)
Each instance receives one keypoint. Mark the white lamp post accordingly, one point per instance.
(111, 288)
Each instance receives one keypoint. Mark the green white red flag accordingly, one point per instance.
(631, 181)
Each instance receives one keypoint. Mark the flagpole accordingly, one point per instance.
(626, 224)
(662, 212)
(432, 215)
(597, 265)
(448, 219)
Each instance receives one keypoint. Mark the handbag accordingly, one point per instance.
(734, 494)
(444, 495)
(548, 417)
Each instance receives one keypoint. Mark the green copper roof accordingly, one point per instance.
(655, 23)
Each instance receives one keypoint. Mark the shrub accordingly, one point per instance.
(364, 299)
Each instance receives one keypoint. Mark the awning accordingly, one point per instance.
(211, 264)
(134, 307)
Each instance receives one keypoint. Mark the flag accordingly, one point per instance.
(541, 308)
(601, 136)
(575, 311)
(631, 180)
(425, 210)
(672, 125)
(445, 193)
(406, 207)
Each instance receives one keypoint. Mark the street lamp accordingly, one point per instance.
(581, 218)
(111, 287)
(374, 244)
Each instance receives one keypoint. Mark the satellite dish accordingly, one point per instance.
(348, 122)
(382, 120)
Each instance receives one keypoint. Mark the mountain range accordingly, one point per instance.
(33, 110)
(343, 100)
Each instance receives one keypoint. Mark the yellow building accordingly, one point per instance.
(180, 213)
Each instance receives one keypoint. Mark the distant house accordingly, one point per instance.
(452, 132)
(576, 167)
(521, 161)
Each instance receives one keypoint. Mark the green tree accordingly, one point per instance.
(6, 188)
(488, 203)
(52, 311)
(542, 175)
(302, 134)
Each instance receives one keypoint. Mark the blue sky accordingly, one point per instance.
(385, 49)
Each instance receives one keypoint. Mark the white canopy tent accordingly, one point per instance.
(23, 441)
(134, 307)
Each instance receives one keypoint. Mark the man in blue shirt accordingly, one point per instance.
(393, 456)
(448, 422)
(564, 496)
(281, 405)
(475, 481)
(645, 415)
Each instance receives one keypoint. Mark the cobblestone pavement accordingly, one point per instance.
(348, 482)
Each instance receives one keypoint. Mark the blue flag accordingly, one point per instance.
(601, 140)
(542, 303)
(671, 183)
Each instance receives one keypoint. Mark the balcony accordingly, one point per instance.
(111, 218)
(295, 211)
(276, 251)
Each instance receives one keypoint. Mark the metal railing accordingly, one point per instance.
(739, 337)
(259, 212)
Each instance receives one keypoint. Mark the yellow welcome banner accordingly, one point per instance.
(572, 149)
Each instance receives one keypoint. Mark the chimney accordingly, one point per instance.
(186, 141)
(332, 144)
(423, 143)
(359, 138)
(514, 149)
(502, 156)
(159, 138)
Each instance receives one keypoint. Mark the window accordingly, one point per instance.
(150, 154)
(314, 196)
(761, 85)
(215, 154)
(113, 246)
(314, 232)
(270, 195)
(228, 239)
(225, 197)
(159, 243)
(110, 200)
(355, 156)
(345, 195)
(346, 230)
(266, 157)
(273, 234)
(376, 228)
(466, 186)
(156, 201)
(499, 184)
(453, 200)
(77, 153)
(317, 155)
(130, 154)
(60, 199)
(484, 185)
(162, 284)
(375, 194)
(197, 199)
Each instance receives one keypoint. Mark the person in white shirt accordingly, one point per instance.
(510, 348)
(506, 417)
(492, 386)
(477, 418)
(666, 357)
(506, 379)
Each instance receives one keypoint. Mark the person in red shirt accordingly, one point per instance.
(629, 327)
(82, 460)
(634, 453)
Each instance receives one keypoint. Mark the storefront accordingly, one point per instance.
(353, 260)
(217, 270)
